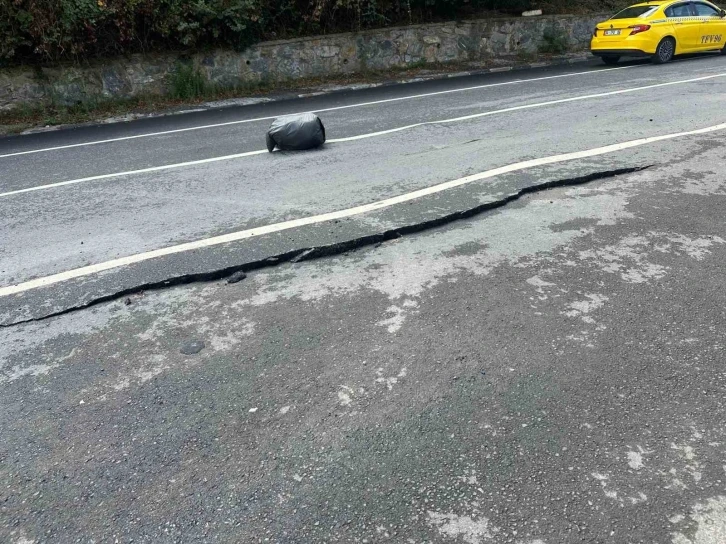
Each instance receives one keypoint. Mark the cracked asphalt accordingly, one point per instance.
(548, 371)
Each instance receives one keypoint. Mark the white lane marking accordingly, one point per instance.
(336, 108)
(528, 106)
(364, 136)
(131, 172)
(340, 214)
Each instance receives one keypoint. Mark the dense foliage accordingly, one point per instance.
(56, 29)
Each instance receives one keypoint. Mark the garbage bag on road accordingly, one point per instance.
(296, 132)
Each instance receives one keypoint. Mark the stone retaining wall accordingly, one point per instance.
(478, 40)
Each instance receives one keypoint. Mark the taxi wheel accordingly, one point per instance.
(665, 51)
(611, 59)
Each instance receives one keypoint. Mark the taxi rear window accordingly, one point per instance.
(635, 12)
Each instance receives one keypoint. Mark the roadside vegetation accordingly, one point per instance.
(554, 42)
(188, 88)
(45, 32)
(48, 31)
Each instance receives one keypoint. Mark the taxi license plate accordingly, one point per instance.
(612, 33)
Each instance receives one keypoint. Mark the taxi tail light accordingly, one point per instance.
(594, 32)
(637, 29)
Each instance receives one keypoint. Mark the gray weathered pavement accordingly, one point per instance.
(549, 371)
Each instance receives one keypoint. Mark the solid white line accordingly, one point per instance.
(336, 108)
(527, 107)
(131, 172)
(363, 136)
(340, 214)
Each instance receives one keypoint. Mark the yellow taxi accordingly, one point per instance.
(660, 30)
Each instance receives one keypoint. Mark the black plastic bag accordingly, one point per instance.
(296, 132)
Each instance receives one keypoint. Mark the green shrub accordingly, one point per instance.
(56, 29)
(50, 30)
(554, 41)
(187, 82)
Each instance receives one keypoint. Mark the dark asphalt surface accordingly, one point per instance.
(547, 372)
(58, 229)
(582, 79)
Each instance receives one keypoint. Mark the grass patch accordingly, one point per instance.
(526, 57)
(188, 83)
(554, 42)
(418, 65)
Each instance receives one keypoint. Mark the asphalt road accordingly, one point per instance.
(61, 228)
(511, 330)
